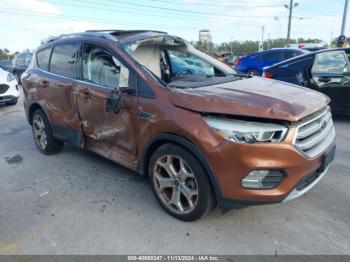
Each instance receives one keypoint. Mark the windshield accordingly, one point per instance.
(177, 63)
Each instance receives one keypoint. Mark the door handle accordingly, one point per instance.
(44, 83)
(86, 94)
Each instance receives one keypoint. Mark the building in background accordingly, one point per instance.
(205, 36)
(205, 40)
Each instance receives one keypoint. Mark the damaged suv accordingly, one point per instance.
(203, 134)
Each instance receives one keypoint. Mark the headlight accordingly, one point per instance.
(247, 132)
(10, 77)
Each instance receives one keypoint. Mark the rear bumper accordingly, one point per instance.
(231, 162)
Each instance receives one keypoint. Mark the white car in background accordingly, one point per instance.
(8, 88)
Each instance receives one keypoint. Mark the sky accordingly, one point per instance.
(24, 23)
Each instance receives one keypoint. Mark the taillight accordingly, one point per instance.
(267, 75)
(237, 62)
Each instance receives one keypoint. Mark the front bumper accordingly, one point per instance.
(231, 162)
(11, 93)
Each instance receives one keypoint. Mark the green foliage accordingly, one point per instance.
(242, 48)
(5, 54)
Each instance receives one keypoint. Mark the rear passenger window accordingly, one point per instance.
(275, 56)
(101, 68)
(63, 60)
(270, 56)
(288, 55)
(21, 60)
(43, 58)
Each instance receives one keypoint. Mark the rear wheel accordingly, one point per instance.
(253, 72)
(180, 183)
(42, 132)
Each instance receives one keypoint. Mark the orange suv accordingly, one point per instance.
(203, 134)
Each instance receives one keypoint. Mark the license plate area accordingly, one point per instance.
(327, 158)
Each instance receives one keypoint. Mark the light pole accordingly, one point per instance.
(290, 7)
(262, 38)
(344, 17)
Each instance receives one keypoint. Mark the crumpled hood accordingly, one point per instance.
(255, 97)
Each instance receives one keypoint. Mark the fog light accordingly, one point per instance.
(263, 179)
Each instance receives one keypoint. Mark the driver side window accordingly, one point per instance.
(100, 67)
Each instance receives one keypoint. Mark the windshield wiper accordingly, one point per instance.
(233, 74)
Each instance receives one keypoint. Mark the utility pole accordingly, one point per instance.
(290, 8)
(344, 18)
(262, 38)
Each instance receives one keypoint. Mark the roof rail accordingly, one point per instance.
(122, 32)
(79, 34)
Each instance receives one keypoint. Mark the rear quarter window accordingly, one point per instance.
(43, 58)
(63, 60)
(298, 65)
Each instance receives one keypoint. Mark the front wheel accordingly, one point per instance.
(42, 132)
(180, 183)
(12, 102)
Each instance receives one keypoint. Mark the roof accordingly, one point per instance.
(279, 49)
(296, 58)
(108, 34)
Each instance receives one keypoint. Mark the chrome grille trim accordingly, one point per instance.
(315, 133)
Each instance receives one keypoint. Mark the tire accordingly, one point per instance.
(18, 78)
(42, 133)
(184, 181)
(13, 102)
(253, 72)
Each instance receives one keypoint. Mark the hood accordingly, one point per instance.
(254, 97)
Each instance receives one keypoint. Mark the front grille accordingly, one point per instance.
(315, 133)
(3, 88)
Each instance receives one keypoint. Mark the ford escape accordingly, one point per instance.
(203, 134)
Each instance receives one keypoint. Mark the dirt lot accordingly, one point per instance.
(76, 202)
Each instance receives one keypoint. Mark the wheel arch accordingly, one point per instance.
(165, 138)
(33, 107)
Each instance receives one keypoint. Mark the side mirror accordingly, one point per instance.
(114, 101)
(127, 90)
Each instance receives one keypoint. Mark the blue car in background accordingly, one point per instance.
(253, 64)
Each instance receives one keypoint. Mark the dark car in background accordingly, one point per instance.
(20, 63)
(253, 64)
(6, 65)
(326, 71)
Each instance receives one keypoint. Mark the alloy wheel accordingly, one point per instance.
(39, 132)
(175, 184)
